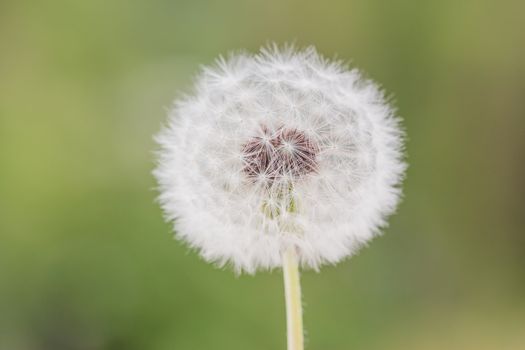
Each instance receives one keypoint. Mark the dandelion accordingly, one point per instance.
(280, 159)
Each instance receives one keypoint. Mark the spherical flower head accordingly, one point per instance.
(276, 150)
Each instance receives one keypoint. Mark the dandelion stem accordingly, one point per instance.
(292, 291)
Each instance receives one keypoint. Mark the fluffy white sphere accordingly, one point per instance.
(276, 150)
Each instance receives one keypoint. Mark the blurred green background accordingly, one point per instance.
(86, 261)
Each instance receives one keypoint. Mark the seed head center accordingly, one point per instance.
(286, 153)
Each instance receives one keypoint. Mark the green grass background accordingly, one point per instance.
(86, 261)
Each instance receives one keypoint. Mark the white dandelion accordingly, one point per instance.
(280, 159)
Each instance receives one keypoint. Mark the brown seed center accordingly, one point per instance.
(285, 153)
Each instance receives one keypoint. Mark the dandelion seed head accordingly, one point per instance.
(279, 149)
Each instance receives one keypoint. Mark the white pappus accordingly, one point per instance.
(279, 149)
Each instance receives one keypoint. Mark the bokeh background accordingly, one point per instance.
(86, 261)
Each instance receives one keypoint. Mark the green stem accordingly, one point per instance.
(292, 289)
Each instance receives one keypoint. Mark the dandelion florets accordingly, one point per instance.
(276, 150)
